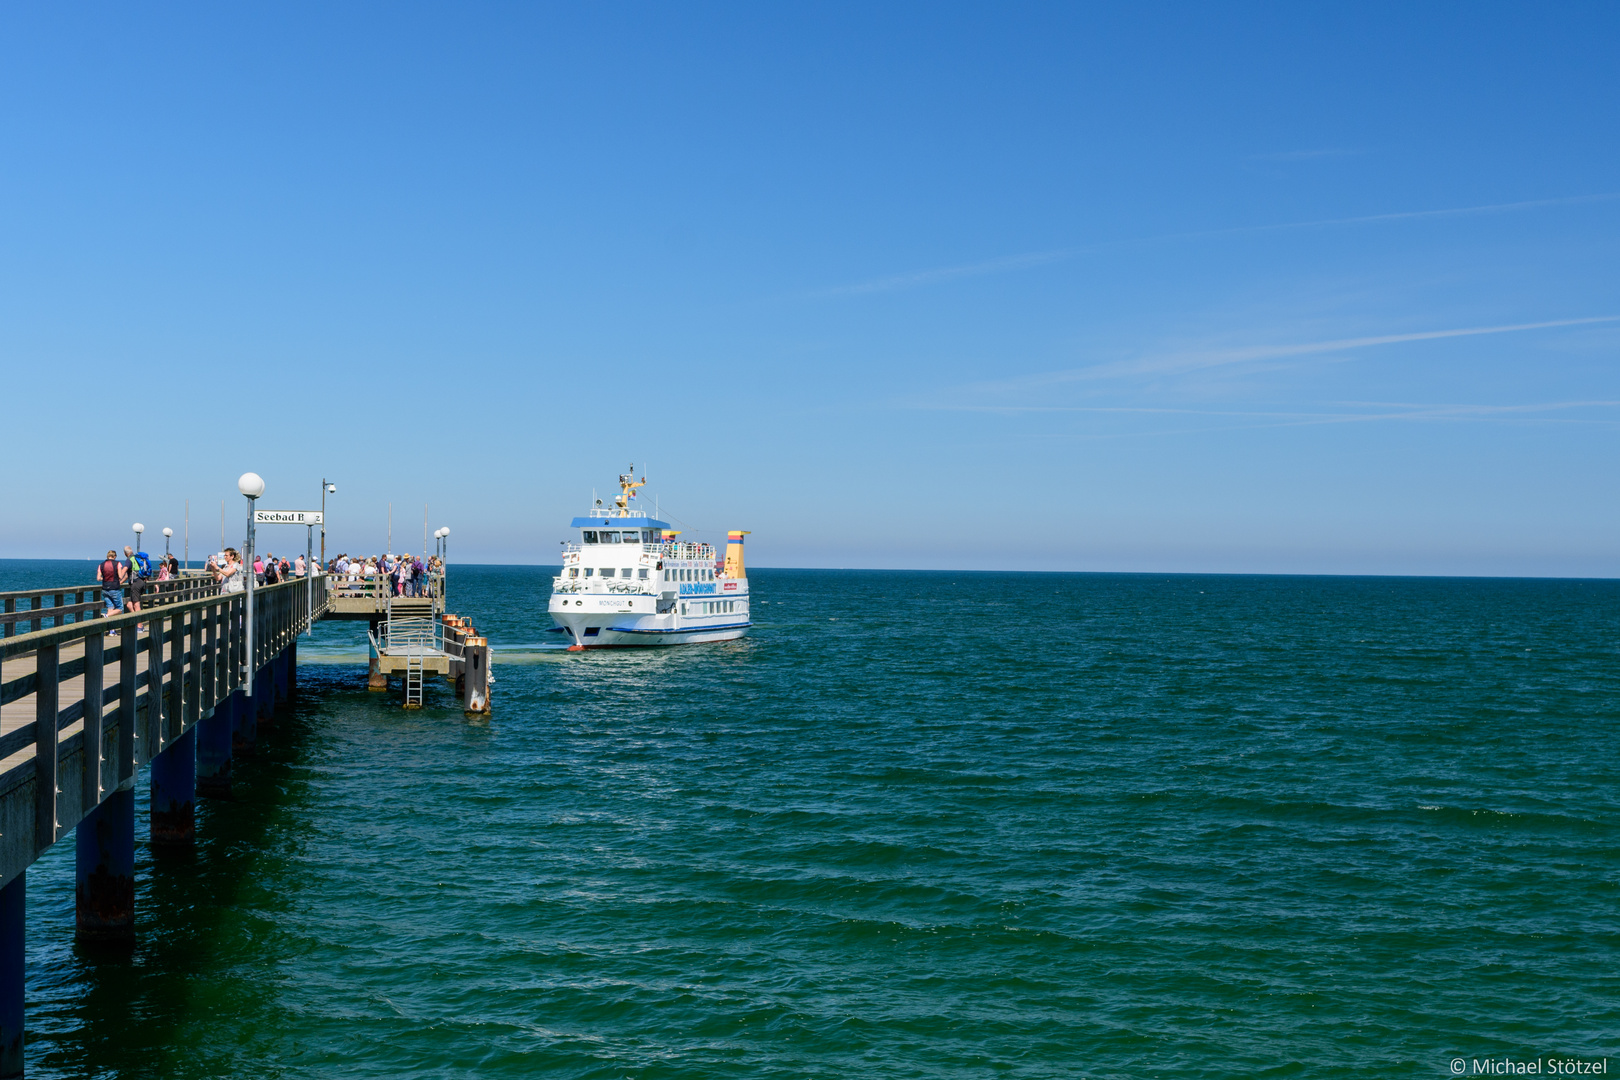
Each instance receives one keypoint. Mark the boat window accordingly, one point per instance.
(587, 571)
(607, 571)
(610, 538)
(643, 573)
(590, 536)
(626, 573)
(574, 572)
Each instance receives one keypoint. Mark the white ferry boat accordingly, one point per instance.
(631, 580)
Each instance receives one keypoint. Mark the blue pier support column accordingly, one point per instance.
(245, 732)
(265, 694)
(12, 926)
(214, 737)
(104, 885)
(284, 676)
(174, 793)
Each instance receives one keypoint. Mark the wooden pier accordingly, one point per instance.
(179, 688)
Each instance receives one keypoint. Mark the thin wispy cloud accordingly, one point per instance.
(1197, 359)
(1368, 411)
(1231, 420)
(947, 273)
(1026, 260)
(1308, 155)
(1183, 361)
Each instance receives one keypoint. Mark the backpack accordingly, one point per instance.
(143, 565)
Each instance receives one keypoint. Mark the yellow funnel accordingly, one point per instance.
(734, 556)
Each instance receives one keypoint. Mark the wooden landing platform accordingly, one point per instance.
(395, 661)
(368, 600)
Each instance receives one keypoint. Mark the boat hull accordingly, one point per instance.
(596, 631)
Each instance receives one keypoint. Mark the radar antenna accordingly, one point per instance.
(627, 488)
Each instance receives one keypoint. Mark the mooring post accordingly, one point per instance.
(475, 687)
(174, 793)
(376, 680)
(13, 925)
(215, 735)
(104, 879)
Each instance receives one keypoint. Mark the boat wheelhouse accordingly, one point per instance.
(630, 580)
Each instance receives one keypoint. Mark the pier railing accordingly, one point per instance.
(37, 609)
(32, 610)
(58, 767)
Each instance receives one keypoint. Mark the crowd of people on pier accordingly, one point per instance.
(122, 579)
(405, 575)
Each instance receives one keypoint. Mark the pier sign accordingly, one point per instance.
(287, 517)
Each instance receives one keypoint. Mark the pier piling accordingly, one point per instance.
(245, 732)
(104, 872)
(174, 793)
(12, 971)
(215, 736)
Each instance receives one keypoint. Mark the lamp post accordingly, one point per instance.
(252, 486)
(327, 488)
(444, 571)
(139, 528)
(309, 578)
(167, 532)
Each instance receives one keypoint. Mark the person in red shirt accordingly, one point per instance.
(111, 575)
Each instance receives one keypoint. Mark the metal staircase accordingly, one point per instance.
(412, 636)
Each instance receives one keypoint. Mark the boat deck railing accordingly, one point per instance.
(667, 550)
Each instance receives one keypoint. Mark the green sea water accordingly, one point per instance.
(916, 825)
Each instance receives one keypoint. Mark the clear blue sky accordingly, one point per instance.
(1197, 287)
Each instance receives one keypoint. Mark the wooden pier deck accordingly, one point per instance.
(86, 702)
